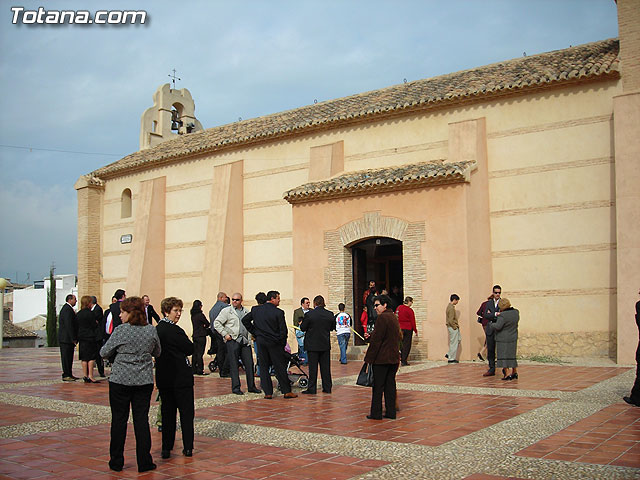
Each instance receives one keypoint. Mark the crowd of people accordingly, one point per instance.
(133, 339)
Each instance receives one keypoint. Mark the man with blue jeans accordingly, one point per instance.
(343, 324)
(298, 315)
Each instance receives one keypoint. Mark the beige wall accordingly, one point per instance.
(549, 214)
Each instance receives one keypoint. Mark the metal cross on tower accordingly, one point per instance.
(174, 78)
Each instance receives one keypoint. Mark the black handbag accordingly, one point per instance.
(365, 377)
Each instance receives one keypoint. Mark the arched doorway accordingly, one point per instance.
(378, 259)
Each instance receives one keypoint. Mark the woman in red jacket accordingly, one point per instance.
(407, 320)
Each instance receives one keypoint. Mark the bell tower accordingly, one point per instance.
(172, 114)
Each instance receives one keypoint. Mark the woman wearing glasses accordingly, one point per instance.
(384, 357)
(174, 378)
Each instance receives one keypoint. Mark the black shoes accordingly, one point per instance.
(373, 418)
(392, 417)
(238, 392)
(146, 468)
(405, 364)
(630, 402)
(308, 392)
(511, 377)
(187, 452)
(254, 390)
(453, 361)
(165, 454)
(115, 468)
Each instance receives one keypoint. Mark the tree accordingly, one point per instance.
(52, 317)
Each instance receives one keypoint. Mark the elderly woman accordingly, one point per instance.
(88, 346)
(174, 377)
(384, 357)
(133, 343)
(506, 328)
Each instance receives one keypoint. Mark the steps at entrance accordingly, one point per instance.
(357, 352)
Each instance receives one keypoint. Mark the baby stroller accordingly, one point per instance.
(297, 376)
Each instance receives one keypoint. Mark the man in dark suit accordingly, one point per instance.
(68, 337)
(266, 323)
(317, 324)
(222, 302)
(490, 314)
(149, 310)
(634, 397)
(112, 315)
(98, 314)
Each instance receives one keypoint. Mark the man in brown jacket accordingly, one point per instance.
(453, 328)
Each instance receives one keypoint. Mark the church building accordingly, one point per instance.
(522, 173)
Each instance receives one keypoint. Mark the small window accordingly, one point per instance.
(154, 126)
(126, 203)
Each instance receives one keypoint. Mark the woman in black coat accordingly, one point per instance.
(88, 346)
(174, 378)
(200, 328)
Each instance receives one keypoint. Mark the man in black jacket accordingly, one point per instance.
(67, 337)
(112, 315)
(99, 316)
(149, 310)
(634, 397)
(266, 323)
(491, 313)
(317, 324)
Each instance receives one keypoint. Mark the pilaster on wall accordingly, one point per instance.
(626, 121)
(326, 161)
(224, 258)
(90, 196)
(629, 34)
(147, 259)
(468, 142)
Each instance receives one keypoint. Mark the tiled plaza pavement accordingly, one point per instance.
(554, 422)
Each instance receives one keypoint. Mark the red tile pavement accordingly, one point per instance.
(14, 415)
(531, 377)
(608, 437)
(426, 418)
(83, 453)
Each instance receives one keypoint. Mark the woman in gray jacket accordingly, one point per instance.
(506, 328)
(131, 382)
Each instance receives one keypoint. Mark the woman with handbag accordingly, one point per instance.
(383, 356)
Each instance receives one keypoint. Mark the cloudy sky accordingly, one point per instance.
(73, 95)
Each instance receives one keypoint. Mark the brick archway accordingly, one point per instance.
(338, 276)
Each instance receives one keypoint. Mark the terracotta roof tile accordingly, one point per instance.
(581, 63)
(12, 331)
(394, 178)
